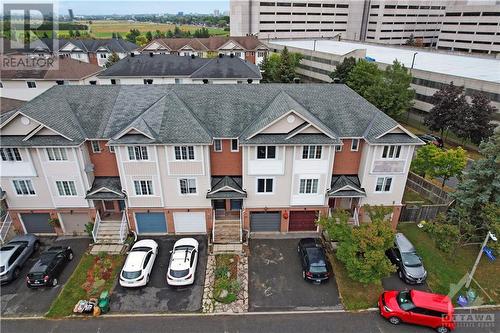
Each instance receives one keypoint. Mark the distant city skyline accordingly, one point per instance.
(131, 7)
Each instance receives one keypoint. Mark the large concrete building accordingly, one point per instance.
(468, 26)
(431, 69)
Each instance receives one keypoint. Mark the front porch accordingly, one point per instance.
(227, 203)
(345, 194)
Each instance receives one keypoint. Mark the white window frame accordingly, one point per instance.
(338, 148)
(66, 188)
(95, 149)
(184, 151)
(265, 185)
(111, 149)
(189, 186)
(138, 153)
(237, 145)
(384, 184)
(217, 142)
(352, 144)
(303, 184)
(103, 55)
(392, 152)
(32, 84)
(56, 154)
(6, 153)
(267, 153)
(148, 185)
(308, 149)
(28, 185)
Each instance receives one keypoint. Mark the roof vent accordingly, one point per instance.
(249, 80)
(192, 56)
(221, 55)
(296, 80)
(336, 80)
(151, 54)
(232, 55)
(205, 81)
(132, 54)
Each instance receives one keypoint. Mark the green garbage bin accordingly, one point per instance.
(104, 302)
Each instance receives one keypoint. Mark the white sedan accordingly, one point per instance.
(182, 266)
(139, 263)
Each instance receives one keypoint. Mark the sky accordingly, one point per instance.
(82, 7)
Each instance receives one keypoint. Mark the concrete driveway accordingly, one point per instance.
(276, 280)
(18, 300)
(157, 296)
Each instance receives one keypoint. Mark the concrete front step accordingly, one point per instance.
(108, 248)
(227, 248)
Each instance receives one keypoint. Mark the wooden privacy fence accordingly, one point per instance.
(417, 213)
(427, 189)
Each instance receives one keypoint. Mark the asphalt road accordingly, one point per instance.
(290, 323)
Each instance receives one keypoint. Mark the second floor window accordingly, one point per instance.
(10, 154)
(96, 148)
(266, 152)
(66, 188)
(234, 145)
(31, 84)
(265, 185)
(184, 153)
(383, 184)
(187, 185)
(308, 186)
(354, 144)
(143, 187)
(311, 152)
(137, 153)
(23, 187)
(57, 154)
(391, 152)
(217, 145)
(338, 148)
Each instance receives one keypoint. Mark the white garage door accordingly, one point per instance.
(190, 223)
(74, 224)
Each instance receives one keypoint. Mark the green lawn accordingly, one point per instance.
(354, 295)
(74, 291)
(445, 269)
(412, 196)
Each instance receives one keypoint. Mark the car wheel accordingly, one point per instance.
(400, 274)
(394, 320)
(36, 246)
(17, 272)
(70, 256)
(54, 282)
(442, 329)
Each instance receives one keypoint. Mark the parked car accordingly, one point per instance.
(409, 265)
(417, 307)
(45, 272)
(139, 263)
(315, 266)
(14, 254)
(183, 261)
(433, 139)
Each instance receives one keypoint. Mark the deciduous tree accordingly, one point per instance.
(343, 69)
(449, 163)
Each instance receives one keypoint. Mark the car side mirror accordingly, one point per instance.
(397, 259)
(171, 251)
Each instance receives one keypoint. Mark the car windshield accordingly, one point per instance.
(35, 276)
(404, 301)
(131, 275)
(22, 243)
(179, 273)
(318, 269)
(410, 259)
(2, 268)
(6, 248)
(141, 249)
(184, 247)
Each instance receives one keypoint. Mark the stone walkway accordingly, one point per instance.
(210, 305)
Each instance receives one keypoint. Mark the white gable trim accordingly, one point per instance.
(128, 129)
(36, 130)
(187, 47)
(347, 187)
(226, 188)
(19, 112)
(396, 127)
(228, 42)
(106, 190)
(300, 130)
(153, 46)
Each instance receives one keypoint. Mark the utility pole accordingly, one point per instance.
(471, 274)
(413, 61)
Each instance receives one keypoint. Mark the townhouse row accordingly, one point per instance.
(185, 159)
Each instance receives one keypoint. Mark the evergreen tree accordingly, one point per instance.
(286, 68)
(112, 59)
(77, 33)
(481, 114)
(149, 36)
(343, 69)
(132, 35)
(411, 41)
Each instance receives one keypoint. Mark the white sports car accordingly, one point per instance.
(139, 263)
(183, 260)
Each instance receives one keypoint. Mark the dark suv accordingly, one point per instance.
(45, 272)
(409, 264)
(315, 266)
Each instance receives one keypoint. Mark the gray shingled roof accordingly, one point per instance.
(105, 188)
(232, 183)
(346, 186)
(198, 113)
(167, 65)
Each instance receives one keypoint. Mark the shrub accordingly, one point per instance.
(444, 234)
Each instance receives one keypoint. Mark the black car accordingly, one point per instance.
(315, 266)
(431, 138)
(45, 272)
(409, 264)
